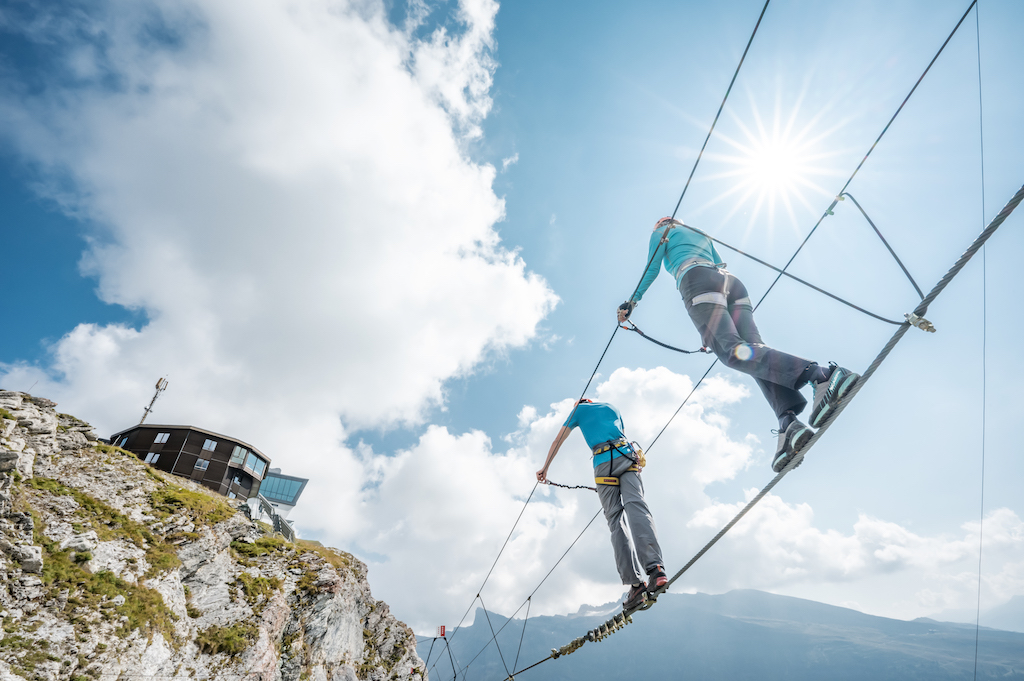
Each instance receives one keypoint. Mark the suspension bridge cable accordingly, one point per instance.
(532, 593)
(722, 106)
(494, 636)
(514, 525)
(891, 252)
(522, 635)
(828, 211)
(678, 203)
(984, 341)
(920, 310)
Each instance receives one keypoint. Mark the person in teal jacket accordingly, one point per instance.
(719, 306)
(621, 491)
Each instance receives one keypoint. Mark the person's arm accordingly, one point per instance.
(542, 474)
(655, 254)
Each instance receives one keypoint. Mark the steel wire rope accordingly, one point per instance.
(899, 262)
(828, 211)
(427, 661)
(984, 340)
(920, 310)
(522, 635)
(720, 107)
(532, 593)
(514, 525)
(494, 636)
(651, 260)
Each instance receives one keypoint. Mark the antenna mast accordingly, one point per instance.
(161, 385)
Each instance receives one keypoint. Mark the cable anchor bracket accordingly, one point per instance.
(919, 322)
(839, 198)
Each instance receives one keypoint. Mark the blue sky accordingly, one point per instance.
(302, 237)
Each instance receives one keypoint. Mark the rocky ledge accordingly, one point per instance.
(113, 570)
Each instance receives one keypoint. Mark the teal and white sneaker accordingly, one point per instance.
(792, 440)
(828, 394)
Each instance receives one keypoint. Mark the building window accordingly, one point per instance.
(260, 466)
(231, 495)
(250, 462)
(161, 438)
(238, 455)
(202, 464)
(123, 440)
(210, 445)
(152, 457)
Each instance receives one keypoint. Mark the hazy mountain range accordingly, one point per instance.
(736, 636)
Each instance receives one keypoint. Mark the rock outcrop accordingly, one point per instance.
(113, 570)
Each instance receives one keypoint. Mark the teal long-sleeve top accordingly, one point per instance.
(683, 244)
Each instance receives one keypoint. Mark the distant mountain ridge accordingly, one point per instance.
(741, 635)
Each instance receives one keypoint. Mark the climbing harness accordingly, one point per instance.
(613, 481)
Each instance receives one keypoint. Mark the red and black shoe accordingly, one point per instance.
(637, 596)
(656, 579)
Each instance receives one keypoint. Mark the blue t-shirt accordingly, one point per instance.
(682, 245)
(599, 422)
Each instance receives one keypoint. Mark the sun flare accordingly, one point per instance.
(774, 166)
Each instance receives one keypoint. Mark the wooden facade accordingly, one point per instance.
(224, 464)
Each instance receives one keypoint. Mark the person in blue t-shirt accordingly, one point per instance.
(720, 308)
(617, 474)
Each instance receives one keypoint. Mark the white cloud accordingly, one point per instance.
(288, 203)
(510, 161)
(467, 494)
(283, 189)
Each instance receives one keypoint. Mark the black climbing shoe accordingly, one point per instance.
(791, 442)
(637, 597)
(828, 394)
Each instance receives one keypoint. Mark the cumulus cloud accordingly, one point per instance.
(281, 188)
(468, 492)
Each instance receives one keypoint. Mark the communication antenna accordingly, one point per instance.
(161, 385)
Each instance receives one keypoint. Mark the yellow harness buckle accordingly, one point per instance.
(606, 480)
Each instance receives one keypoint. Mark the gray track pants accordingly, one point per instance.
(720, 308)
(628, 499)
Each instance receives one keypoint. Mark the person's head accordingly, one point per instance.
(666, 221)
(584, 401)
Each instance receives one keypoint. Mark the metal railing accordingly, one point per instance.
(280, 524)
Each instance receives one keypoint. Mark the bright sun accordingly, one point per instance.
(773, 167)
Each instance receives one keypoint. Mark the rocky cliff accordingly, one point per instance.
(115, 571)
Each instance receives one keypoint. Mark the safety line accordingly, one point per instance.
(984, 340)
(651, 260)
(451, 657)
(634, 327)
(783, 272)
(494, 636)
(500, 629)
(921, 309)
(828, 211)
(521, 636)
(427, 661)
(456, 630)
(891, 252)
(722, 106)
